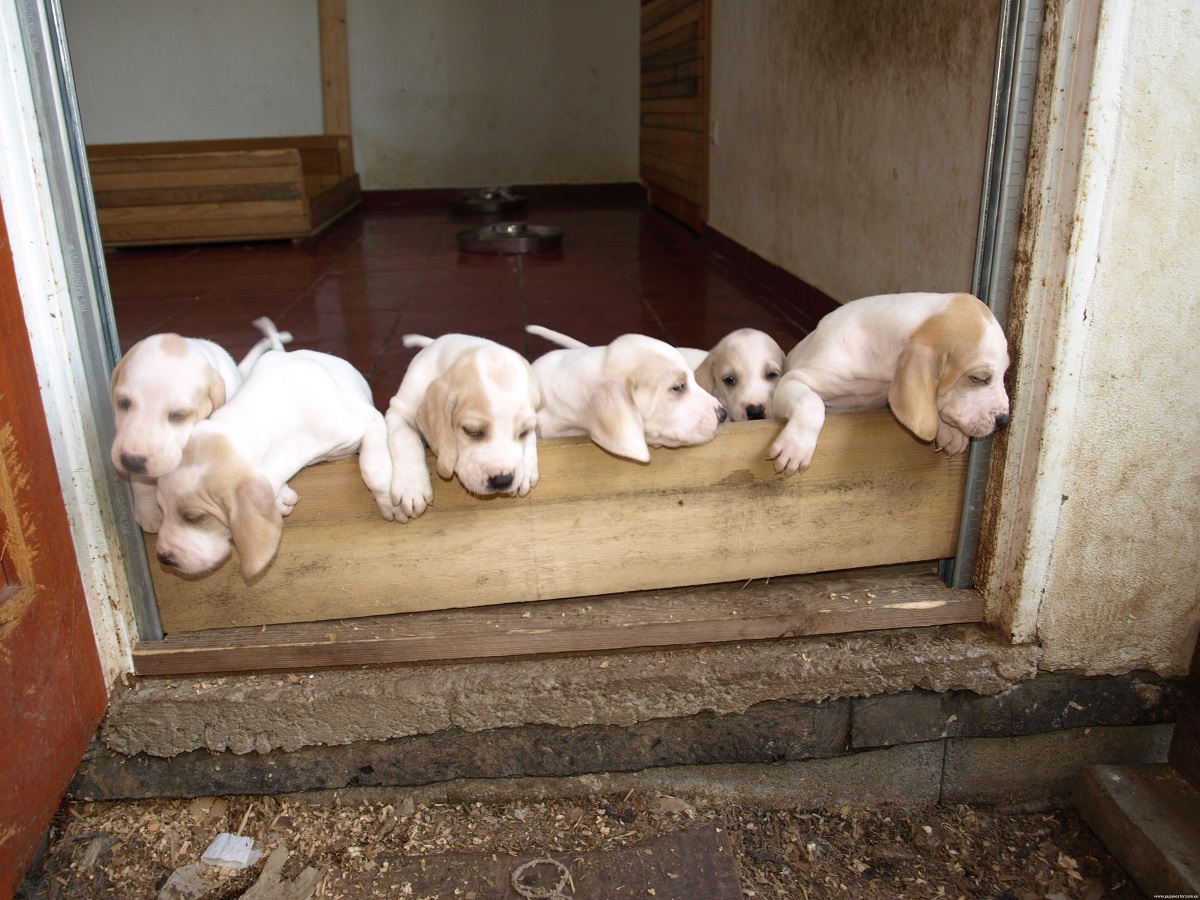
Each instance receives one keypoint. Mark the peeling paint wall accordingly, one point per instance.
(443, 94)
(1123, 586)
(850, 138)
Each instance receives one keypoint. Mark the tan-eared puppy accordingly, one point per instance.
(741, 371)
(231, 487)
(938, 360)
(160, 389)
(474, 402)
(632, 394)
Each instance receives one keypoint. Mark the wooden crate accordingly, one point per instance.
(594, 525)
(191, 192)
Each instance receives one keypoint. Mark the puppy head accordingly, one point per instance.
(952, 369)
(741, 371)
(649, 398)
(480, 419)
(160, 389)
(212, 501)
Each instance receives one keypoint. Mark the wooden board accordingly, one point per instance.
(909, 596)
(595, 524)
(202, 191)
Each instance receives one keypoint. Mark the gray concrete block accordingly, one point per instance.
(890, 719)
(1056, 702)
(1149, 819)
(1042, 766)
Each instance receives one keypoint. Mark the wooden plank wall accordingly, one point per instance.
(674, 106)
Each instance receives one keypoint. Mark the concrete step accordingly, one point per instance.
(1149, 819)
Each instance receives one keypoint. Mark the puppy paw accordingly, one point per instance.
(149, 519)
(950, 440)
(287, 500)
(793, 450)
(412, 493)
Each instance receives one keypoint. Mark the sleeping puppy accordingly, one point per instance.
(628, 396)
(474, 402)
(741, 370)
(231, 487)
(938, 360)
(160, 389)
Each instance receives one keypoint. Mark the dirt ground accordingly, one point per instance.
(129, 849)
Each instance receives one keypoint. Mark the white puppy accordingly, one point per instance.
(627, 396)
(938, 360)
(474, 402)
(295, 409)
(160, 389)
(741, 370)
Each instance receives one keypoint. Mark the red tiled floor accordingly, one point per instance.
(386, 271)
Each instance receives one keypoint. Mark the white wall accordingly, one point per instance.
(1122, 590)
(444, 93)
(473, 92)
(149, 70)
(850, 138)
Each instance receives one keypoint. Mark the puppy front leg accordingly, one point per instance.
(794, 400)
(412, 489)
(531, 467)
(146, 511)
(375, 464)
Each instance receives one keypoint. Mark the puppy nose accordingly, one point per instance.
(1002, 420)
(135, 464)
(500, 482)
(756, 411)
(722, 415)
(166, 559)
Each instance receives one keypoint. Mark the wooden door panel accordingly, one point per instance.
(52, 691)
(674, 107)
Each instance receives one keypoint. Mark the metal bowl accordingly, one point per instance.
(510, 237)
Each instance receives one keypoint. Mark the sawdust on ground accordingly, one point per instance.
(129, 849)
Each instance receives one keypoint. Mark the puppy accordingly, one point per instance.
(741, 371)
(160, 389)
(632, 394)
(231, 487)
(938, 360)
(474, 402)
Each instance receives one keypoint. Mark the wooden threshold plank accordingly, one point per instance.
(827, 603)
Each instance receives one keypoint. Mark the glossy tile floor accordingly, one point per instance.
(385, 271)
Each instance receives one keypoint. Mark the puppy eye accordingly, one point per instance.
(474, 434)
(194, 518)
(524, 433)
(680, 388)
(729, 380)
(771, 376)
(981, 379)
(124, 404)
(178, 416)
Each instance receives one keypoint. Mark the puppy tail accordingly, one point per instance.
(556, 337)
(416, 340)
(273, 339)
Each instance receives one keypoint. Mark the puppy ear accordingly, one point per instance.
(118, 369)
(704, 374)
(215, 393)
(435, 421)
(615, 423)
(256, 524)
(912, 394)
